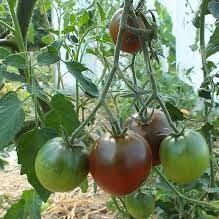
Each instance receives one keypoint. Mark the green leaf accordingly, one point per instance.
(29, 206)
(63, 113)
(2, 11)
(1, 77)
(102, 12)
(212, 190)
(27, 149)
(213, 44)
(84, 19)
(4, 52)
(84, 185)
(47, 58)
(11, 76)
(205, 7)
(16, 60)
(175, 113)
(204, 93)
(76, 69)
(47, 39)
(206, 130)
(11, 118)
(213, 7)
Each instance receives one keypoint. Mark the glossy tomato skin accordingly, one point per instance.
(119, 165)
(156, 129)
(140, 205)
(184, 158)
(60, 168)
(130, 42)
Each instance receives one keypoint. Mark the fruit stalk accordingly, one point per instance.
(111, 75)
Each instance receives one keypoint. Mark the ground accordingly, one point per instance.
(73, 205)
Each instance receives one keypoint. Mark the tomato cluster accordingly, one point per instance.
(120, 164)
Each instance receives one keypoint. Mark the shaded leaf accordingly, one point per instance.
(29, 206)
(84, 185)
(4, 52)
(16, 60)
(76, 69)
(27, 149)
(102, 12)
(11, 76)
(175, 113)
(213, 7)
(213, 44)
(204, 93)
(63, 113)
(47, 58)
(1, 77)
(11, 118)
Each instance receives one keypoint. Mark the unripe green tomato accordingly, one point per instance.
(140, 205)
(184, 158)
(61, 168)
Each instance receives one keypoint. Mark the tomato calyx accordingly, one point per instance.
(180, 133)
(75, 144)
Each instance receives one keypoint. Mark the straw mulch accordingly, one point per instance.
(73, 205)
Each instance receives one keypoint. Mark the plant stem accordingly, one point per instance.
(18, 33)
(117, 205)
(7, 26)
(113, 119)
(111, 75)
(149, 70)
(133, 71)
(192, 201)
(205, 74)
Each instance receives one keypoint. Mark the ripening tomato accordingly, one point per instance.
(119, 165)
(59, 167)
(184, 158)
(140, 205)
(130, 42)
(156, 129)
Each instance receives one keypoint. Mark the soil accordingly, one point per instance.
(73, 205)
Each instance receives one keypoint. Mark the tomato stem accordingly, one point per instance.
(206, 108)
(113, 120)
(192, 201)
(111, 75)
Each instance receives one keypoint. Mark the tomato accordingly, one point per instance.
(119, 165)
(154, 131)
(130, 42)
(140, 205)
(61, 168)
(184, 158)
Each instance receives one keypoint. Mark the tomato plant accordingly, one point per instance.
(119, 165)
(187, 153)
(140, 205)
(34, 109)
(60, 167)
(130, 41)
(154, 131)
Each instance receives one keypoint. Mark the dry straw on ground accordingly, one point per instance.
(73, 205)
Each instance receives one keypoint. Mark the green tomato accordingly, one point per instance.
(140, 205)
(184, 158)
(61, 168)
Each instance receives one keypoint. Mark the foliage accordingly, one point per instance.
(33, 109)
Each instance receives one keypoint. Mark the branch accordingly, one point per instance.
(111, 75)
(192, 201)
(149, 70)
